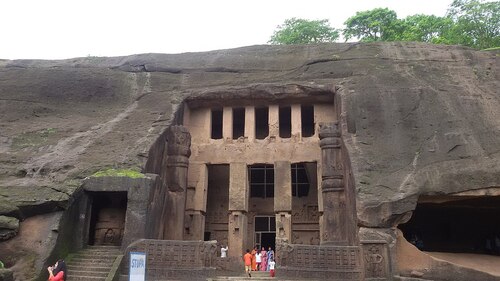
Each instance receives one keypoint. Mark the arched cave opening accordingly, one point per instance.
(455, 224)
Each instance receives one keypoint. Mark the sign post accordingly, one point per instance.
(137, 266)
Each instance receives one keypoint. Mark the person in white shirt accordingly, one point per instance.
(271, 267)
(223, 252)
(258, 259)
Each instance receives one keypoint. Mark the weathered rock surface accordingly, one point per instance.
(416, 118)
(9, 227)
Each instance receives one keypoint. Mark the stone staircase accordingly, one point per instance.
(92, 263)
(256, 275)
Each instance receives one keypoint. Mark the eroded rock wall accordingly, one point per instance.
(416, 118)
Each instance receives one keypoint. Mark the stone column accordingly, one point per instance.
(194, 224)
(227, 123)
(334, 222)
(283, 200)
(250, 123)
(238, 208)
(178, 152)
(296, 121)
(274, 121)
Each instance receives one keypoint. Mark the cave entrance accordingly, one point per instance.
(107, 220)
(455, 224)
(217, 219)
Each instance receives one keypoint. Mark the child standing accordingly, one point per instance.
(271, 267)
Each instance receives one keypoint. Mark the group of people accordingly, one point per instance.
(259, 260)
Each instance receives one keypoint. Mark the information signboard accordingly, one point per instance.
(137, 266)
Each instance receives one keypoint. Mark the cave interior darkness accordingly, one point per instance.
(455, 225)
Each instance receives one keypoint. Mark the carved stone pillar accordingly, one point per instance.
(238, 208)
(283, 200)
(178, 152)
(196, 201)
(333, 217)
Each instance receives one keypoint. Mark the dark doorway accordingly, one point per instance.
(107, 219)
(455, 225)
(268, 240)
(216, 217)
(265, 231)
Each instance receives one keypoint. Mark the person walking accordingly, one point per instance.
(258, 260)
(247, 259)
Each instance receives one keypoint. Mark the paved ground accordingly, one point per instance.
(485, 263)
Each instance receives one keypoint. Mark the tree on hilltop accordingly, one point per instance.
(301, 31)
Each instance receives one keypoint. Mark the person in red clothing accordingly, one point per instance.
(58, 271)
(247, 258)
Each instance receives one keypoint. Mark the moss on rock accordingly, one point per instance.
(119, 173)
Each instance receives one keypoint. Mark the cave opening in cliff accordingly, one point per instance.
(455, 225)
(107, 220)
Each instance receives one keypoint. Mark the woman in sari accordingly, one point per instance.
(263, 264)
(254, 261)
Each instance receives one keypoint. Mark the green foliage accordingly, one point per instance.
(473, 23)
(301, 31)
(378, 24)
(119, 173)
(476, 24)
(424, 28)
(1, 265)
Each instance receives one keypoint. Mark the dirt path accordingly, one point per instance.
(486, 263)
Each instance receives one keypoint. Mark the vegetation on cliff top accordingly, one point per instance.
(119, 173)
(472, 23)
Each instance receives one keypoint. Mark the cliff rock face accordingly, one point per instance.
(417, 119)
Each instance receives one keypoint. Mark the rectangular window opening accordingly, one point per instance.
(261, 178)
(307, 118)
(285, 121)
(261, 123)
(216, 124)
(300, 180)
(238, 122)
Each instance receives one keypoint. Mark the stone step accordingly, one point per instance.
(97, 261)
(76, 267)
(256, 275)
(88, 272)
(85, 278)
(94, 256)
(92, 263)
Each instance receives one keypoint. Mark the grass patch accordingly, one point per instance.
(33, 139)
(492, 49)
(119, 173)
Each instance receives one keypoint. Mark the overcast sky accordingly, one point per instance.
(57, 29)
